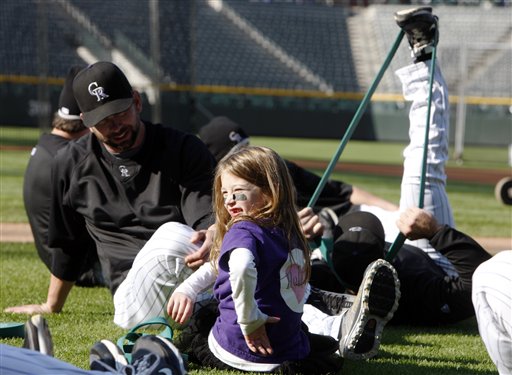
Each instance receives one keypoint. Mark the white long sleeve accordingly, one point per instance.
(199, 281)
(243, 277)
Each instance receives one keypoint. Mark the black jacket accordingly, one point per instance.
(123, 201)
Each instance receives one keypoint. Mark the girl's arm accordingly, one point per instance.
(243, 276)
(181, 303)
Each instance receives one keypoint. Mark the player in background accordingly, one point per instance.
(37, 184)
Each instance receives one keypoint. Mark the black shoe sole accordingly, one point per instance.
(376, 303)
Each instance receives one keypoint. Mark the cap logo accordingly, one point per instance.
(235, 137)
(97, 91)
(355, 229)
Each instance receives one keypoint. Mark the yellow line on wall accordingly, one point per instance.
(263, 91)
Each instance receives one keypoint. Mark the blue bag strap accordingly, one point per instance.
(127, 341)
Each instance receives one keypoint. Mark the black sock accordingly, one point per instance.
(423, 57)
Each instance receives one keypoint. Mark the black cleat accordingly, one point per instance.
(422, 30)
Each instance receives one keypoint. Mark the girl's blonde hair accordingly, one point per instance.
(265, 169)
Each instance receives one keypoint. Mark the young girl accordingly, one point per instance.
(259, 270)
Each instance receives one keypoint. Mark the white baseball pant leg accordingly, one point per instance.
(320, 323)
(20, 361)
(415, 86)
(492, 299)
(156, 271)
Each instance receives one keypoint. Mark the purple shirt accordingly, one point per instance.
(276, 294)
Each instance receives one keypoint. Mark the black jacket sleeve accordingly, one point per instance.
(462, 251)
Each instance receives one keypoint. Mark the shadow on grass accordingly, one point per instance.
(444, 350)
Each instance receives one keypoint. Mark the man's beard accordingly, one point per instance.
(125, 145)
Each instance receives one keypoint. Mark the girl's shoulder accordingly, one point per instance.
(245, 225)
(254, 229)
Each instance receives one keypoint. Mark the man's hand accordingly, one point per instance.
(201, 256)
(310, 223)
(258, 341)
(57, 294)
(30, 309)
(416, 223)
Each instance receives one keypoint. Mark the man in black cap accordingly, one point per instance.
(124, 181)
(37, 186)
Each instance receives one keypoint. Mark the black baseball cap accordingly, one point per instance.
(221, 134)
(361, 242)
(68, 107)
(101, 90)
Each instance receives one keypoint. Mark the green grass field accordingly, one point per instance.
(87, 317)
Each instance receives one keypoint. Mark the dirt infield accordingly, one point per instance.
(20, 232)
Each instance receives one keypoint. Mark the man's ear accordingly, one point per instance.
(137, 100)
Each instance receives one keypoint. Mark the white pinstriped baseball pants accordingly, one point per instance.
(156, 271)
(492, 299)
(415, 87)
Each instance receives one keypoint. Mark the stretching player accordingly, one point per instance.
(436, 289)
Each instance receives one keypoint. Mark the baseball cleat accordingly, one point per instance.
(421, 28)
(375, 303)
(37, 335)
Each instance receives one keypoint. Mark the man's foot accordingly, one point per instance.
(422, 30)
(374, 305)
(105, 352)
(37, 335)
(155, 354)
(330, 303)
